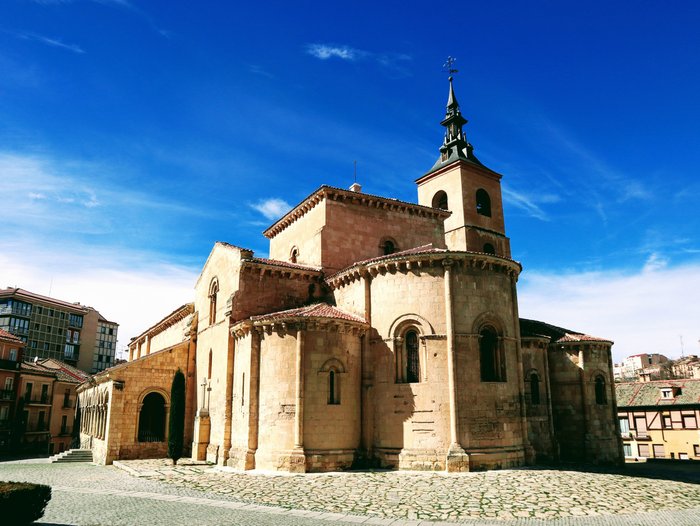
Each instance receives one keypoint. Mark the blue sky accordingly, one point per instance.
(135, 134)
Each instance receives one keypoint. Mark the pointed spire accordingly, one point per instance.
(455, 145)
(452, 104)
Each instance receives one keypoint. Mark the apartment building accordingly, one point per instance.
(11, 348)
(659, 419)
(51, 328)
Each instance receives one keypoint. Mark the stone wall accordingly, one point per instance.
(585, 429)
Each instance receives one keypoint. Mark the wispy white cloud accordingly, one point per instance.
(393, 63)
(530, 204)
(272, 208)
(642, 311)
(655, 262)
(326, 51)
(53, 42)
(258, 70)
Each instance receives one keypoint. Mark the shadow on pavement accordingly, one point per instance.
(676, 470)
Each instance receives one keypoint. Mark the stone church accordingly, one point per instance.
(377, 333)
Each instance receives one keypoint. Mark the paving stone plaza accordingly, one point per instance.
(154, 492)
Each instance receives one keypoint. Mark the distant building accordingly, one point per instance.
(52, 328)
(11, 348)
(659, 419)
(633, 366)
(47, 399)
(686, 367)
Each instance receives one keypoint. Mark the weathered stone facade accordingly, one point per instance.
(379, 332)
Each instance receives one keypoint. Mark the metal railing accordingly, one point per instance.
(7, 394)
(45, 399)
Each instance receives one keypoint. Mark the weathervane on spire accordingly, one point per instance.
(449, 66)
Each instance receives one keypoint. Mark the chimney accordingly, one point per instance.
(355, 187)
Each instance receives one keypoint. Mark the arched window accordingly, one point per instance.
(601, 397)
(333, 387)
(294, 254)
(491, 356)
(489, 249)
(534, 389)
(213, 292)
(152, 419)
(440, 200)
(209, 369)
(483, 203)
(412, 360)
(389, 247)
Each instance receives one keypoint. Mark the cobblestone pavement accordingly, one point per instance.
(504, 495)
(154, 492)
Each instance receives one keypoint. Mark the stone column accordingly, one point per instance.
(457, 459)
(297, 461)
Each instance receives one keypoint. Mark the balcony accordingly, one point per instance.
(7, 394)
(42, 427)
(41, 400)
(11, 365)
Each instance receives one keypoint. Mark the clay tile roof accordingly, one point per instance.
(317, 310)
(424, 249)
(534, 328)
(286, 264)
(9, 337)
(62, 371)
(645, 394)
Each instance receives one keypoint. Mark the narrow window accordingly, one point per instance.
(333, 388)
(389, 247)
(242, 389)
(534, 389)
(483, 203)
(412, 360)
(600, 396)
(624, 425)
(489, 249)
(213, 291)
(491, 356)
(209, 370)
(440, 200)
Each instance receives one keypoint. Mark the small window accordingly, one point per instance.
(600, 394)
(666, 392)
(534, 389)
(412, 359)
(627, 448)
(491, 356)
(489, 249)
(667, 423)
(659, 451)
(483, 203)
(696, 450)
(294, 255)
(389, 247)
(624, 426)
(643, 450)
(689, 422)
(213, 292)
(333, 387)
(440, 200)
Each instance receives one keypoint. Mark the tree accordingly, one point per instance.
(176, 428)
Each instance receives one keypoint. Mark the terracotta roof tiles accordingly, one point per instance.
(317, 310)
(9, 337)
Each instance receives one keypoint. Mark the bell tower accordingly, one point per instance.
(458, 182)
